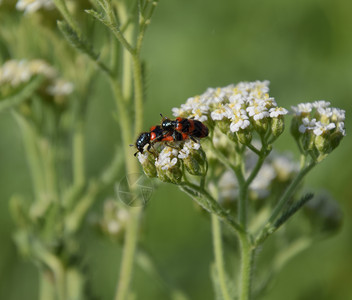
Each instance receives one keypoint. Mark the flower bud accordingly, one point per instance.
(294, 129)
(195, 163)
(148, 164)
(172, 174)
(308, 141)
(261, 125)
(277, 126)
(244, 136)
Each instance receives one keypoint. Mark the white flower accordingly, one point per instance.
(200, 113)
(184, 153)
(167, 158)
(320, 128)
(60, 88)
(186, 149)
(258, 110)
(277, 111)
(325, 118)
(17, 72)
(321, 104)
(143, 157)
(113, 227)
(239, 122)
(338, 115)
(220, 112)
(302, 108)
(31, 6)
(307, 124)
(341, 128)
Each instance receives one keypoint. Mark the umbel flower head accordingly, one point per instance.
(237, 110)
(318, 128)
(234, 114)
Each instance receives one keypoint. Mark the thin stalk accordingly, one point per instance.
(138, 94)
(126, 55)
(218, 250)
(144, 22)
(129, 248)
(247, 254)
(46, 290)
(78, 155)
(56, 266)
(35, 166)
(255, 170)
(218, 254)
(243, 189)
(128, 254)
(48, 158)
(125, 126)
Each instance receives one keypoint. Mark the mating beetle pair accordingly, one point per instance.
(171, 130)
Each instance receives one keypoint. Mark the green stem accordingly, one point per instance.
(125, 126)
(78, 155)
(55, 265)
(46, 291)
(138, 94)
(35, 166)
(126, 55)
(218, 254)
(144, 22)
(239, 170)
(128, 254)
(247, 255)
(49, 163)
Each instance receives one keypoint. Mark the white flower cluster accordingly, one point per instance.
(31, 6)
(17, 72)
(318, 117)
(168, 156)
(239, 103)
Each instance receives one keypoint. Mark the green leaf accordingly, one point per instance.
(76, 42)
(22, 94)
(292, 210)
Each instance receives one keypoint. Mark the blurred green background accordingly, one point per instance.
(303, 47)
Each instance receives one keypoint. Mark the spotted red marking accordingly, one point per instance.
(168, 138)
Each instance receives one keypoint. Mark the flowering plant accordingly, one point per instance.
(234, 174)
(237, 173)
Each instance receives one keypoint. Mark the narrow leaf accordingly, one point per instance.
(75, 41)
(292, 210)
